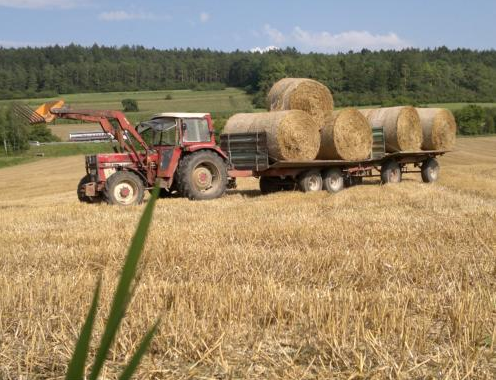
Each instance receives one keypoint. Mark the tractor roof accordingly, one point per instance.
(181, 115)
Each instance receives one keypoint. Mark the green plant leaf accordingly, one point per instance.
(122, 294)
(135, 360)
(75, 370)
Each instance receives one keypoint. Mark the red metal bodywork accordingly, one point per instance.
(145, 163)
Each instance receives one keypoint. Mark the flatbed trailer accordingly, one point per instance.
(248, 157)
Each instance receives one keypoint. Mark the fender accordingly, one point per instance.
(214, 148)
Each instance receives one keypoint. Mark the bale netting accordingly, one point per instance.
(438, 127)
(291, 135)
(301, 94)
(346, 135)
(402, 130)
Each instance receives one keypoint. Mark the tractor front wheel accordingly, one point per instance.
(81, 194)
(202, 175)
(124, 189)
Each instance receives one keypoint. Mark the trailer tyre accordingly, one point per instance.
(202, 175)
(390, 172)
(124, 188)
(430, 170)
(310, 181)
(333, 180)
(80, 191)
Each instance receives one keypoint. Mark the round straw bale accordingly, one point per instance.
(346, 135)
(438, 127)
(291, 135)
(402, 130)
(301, 94)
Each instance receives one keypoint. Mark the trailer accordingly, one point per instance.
(248, 156)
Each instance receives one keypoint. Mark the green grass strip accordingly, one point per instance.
(122, 293)
(140, 352)
(75, 370)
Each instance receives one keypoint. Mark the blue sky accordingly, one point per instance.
(312, 25)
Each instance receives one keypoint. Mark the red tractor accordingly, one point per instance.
(177, 150)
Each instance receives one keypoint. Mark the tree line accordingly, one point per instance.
(360, 78)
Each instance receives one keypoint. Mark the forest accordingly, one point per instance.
(384, 77)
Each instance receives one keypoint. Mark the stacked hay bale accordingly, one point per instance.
(301, 125)
(438, 127)
(346, 135)
(291, 135)
(301, 94)
(402, 129)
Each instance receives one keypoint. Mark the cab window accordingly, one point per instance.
(196, 130)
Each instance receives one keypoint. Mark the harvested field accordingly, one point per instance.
(395, 281)
(301, 94)
(291, 135)
(63, 130)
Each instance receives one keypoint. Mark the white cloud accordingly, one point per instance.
(351, 40)
(204, 17)
(274, 35)
(125, 16)
(331, 43)
(40, 4)
(263, 50)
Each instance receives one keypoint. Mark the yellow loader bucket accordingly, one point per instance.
(44, 110)
(41, 115)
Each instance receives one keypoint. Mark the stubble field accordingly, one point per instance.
(395, 281)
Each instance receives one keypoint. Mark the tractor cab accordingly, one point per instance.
(178, 129)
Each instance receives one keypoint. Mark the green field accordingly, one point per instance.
(54, 150)
(221, 103)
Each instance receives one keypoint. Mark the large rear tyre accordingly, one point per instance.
(202, 175)
(430, 170)
(310, 181)
(81, 194)
(390, 172)
(124, 189)
(333, 180)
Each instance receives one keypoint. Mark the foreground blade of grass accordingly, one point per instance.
(133, 363)
(122, 293)
(75, 369)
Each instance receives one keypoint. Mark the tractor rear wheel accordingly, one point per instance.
(202, 175)
(80, 191)
(124, 188)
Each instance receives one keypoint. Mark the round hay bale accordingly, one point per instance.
(438, 127)
(346, 135)
(301, 94)
(402, 130)
(291, 135)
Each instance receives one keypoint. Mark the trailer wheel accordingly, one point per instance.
(333, 180)
(202, 175)
(80, 191)
(310, 181)
(124, 188)
(390, 172)
(430, 170)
